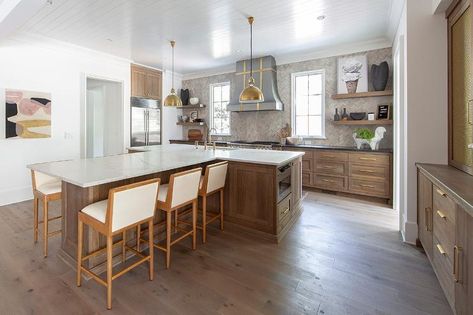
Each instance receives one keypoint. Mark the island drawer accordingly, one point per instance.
(369, 186)
(331, 155)
(284, 210)
(369, 158)
(370, 171)
(330, 182)
(443, 203)
(331, 168)
(444, 220)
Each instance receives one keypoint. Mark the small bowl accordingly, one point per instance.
(358, 116)
(194, 100)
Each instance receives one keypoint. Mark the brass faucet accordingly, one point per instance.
(209, 138)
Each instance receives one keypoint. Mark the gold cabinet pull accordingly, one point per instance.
(285, 211)
(366, 186)
(440, 249)
(367, 159)
(456, 262)
(366, 171)
(327, 181)
(328, 167)
(441, 214)
(441, 193)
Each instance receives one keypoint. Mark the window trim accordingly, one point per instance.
(211, 109)
(293, 102)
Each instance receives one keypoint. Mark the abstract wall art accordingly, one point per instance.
(27, 114)
(352, 74)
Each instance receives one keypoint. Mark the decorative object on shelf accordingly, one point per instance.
(27, 114)
(251, 93)
(380, 76)
(283, 133)
(358, 116)
(195, 134)
(294, 140)
(365, 136)
(344, 114)
(371, 116)
(185, 96)
(185, 118)
(179, 118)
(194, 115)
(336, 117)
(352, 74)
(383, 111)
(172, 99)
(194, 100)
(199, 120)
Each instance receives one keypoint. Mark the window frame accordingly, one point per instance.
(294, 75)
(211, 109)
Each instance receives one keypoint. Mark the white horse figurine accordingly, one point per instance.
(373, 143)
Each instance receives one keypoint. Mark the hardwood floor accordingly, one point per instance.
(341, 257)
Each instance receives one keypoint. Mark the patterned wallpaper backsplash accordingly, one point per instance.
(264, 125)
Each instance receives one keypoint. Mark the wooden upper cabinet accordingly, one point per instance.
(146, 82)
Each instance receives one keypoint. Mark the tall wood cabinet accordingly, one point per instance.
(460, 85)
(146, 82)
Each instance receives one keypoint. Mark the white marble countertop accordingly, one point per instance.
(153, 159)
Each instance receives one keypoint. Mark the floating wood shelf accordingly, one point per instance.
(190, 123)
(362, 94)
(363, 122)
(191, 106)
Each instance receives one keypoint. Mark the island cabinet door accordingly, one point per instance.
(424, 213)
(463, 263)
(252, 196)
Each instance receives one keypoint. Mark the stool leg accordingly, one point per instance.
(123, 246)
(221, 209)
(80, 236)
(204, 219)
(194, 223)
(176, 216)
(45, 227)
(138, 235)
(35, 215)
(109, 271)
(151, 250)
(168, 239)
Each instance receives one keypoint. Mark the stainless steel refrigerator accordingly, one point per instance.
(145, 122)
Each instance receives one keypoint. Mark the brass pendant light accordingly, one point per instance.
(251, 93)
(172, 99)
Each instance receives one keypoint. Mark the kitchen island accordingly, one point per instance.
(262, 193)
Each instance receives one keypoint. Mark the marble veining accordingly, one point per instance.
(264, 125)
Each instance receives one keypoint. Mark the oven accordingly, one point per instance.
(284, 181)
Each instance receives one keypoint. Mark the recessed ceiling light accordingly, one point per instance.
(109, 39)
(321, 17)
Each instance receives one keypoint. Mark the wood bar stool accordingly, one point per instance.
(45, 188)
(126, 207)
(181, 191)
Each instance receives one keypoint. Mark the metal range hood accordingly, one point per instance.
(264, 72)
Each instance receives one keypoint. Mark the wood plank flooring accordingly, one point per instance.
(341, 257)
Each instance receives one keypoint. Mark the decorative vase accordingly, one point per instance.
(344, 115)
(380, 75)
(351, 86)
(194, 100)
(336, 117)
(185, 96)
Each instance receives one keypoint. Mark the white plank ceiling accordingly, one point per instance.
(209, 33)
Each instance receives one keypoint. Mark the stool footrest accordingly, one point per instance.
(100, 250)
(122, 272)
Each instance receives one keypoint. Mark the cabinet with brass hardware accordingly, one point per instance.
(146, 82)
(445, 221)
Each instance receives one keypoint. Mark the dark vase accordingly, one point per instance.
(336, 117)
(344, 114)
(380, 75)
(185, 96)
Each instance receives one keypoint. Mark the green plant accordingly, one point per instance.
(364, 133)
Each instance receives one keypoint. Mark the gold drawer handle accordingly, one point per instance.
(328, 156)
(441, 193)
(285, 211)
(366, 186)
(456, 262)
(366, 171)
(441, 214)
(328, 181)
(440, 248)
(367, 159)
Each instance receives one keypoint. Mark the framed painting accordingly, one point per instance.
(352, 74)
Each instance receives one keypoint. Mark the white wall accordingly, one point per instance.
(40, 64)
(169, 128)
(422, 126)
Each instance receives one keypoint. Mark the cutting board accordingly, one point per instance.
(194, 135)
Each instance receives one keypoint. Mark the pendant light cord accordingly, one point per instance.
(251, 49)
(172, 67)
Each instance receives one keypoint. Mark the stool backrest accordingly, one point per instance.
(184, 187)
(132, 203)
(214, 177)
(39, 179)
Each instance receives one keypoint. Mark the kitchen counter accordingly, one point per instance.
(153, 159)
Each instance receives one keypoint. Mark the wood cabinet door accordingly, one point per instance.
(138, 81)
(424, 212)
(154, 84)
(463, 262)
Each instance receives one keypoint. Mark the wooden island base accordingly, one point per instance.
(251, 203)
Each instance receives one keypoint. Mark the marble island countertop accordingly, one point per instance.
(153, 159)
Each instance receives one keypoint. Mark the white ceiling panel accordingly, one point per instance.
(209, 33)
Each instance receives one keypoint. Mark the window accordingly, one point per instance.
(219, 116)
(308, 104)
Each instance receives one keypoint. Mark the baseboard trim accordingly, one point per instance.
(409, 233)
(15, 195)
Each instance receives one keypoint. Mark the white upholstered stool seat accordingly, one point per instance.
(97, 210)
(45, 188)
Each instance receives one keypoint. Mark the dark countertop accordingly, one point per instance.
(457, 184)
(300, 146)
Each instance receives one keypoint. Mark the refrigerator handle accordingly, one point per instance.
(147, 127)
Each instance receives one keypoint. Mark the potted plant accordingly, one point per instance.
(367, 136)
